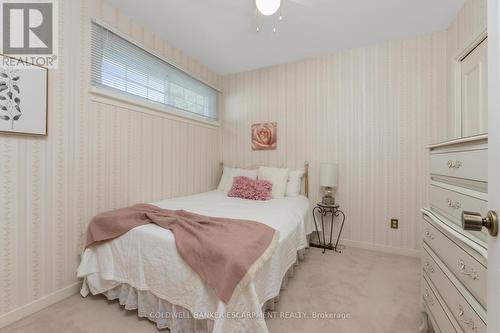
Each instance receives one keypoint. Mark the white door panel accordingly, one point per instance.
(494, 162)
(474, 83)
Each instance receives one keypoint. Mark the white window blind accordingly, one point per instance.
(122, 66)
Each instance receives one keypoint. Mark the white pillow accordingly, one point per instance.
(228, 174)
(278, 177)
(294, 182)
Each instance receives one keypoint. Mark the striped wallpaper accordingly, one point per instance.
(372, 110)
(98, 156)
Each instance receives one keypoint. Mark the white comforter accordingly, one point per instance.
(146, 258)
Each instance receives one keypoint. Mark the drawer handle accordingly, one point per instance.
(454, 164)
(455, 205)
(428, 267)
(467, 271)
(466, 321)
(428, 298)
(429, 235)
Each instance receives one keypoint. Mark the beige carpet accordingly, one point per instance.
(376, 292)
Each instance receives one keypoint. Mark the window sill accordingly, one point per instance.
(105, 96)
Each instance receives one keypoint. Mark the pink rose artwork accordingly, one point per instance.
(264, 136)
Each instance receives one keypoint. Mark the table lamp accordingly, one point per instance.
(328, 178)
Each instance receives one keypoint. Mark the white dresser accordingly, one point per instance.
(455, 261)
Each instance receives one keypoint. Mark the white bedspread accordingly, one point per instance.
(146, 258)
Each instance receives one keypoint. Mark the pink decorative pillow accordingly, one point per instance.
(247, 188)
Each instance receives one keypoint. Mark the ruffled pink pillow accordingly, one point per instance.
(247, 188)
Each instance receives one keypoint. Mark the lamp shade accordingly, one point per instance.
(328, 174)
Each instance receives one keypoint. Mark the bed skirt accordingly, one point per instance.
(173, 317)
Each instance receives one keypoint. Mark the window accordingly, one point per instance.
(124, 67)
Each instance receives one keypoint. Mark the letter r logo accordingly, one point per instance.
(27, 28)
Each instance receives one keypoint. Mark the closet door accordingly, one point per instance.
(474, 83)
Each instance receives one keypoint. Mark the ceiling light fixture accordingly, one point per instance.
(268, 7)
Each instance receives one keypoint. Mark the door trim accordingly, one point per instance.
(476, 39)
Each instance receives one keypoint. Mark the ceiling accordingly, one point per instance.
(221, 33)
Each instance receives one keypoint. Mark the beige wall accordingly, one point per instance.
(371, 109)
(96, 157)
(469, 22)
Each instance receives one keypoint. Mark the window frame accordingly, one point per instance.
(109, 95)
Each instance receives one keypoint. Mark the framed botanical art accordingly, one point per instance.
(23, 97)
(264, 136)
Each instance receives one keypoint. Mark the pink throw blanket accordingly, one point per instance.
(224, 252)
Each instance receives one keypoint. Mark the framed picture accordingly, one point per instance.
(23, 97)
(264, 136)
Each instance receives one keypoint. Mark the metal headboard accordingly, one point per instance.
(305, 180)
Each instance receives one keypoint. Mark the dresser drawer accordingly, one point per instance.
(468, 319)
(471, 164)
(467, 269)
(435, 310)
(451, 203)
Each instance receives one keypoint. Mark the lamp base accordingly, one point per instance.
(328, 200)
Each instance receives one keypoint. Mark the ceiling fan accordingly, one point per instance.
(269, 8)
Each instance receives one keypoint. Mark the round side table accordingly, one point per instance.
(323, 210)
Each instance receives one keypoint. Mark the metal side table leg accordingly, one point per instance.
(337, 213)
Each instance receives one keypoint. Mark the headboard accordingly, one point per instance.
(305, 179)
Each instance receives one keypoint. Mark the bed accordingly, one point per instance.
(143, 270)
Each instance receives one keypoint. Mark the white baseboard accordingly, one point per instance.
(383, 248)
(39, 304)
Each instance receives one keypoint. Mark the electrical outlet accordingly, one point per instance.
(394, 223)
